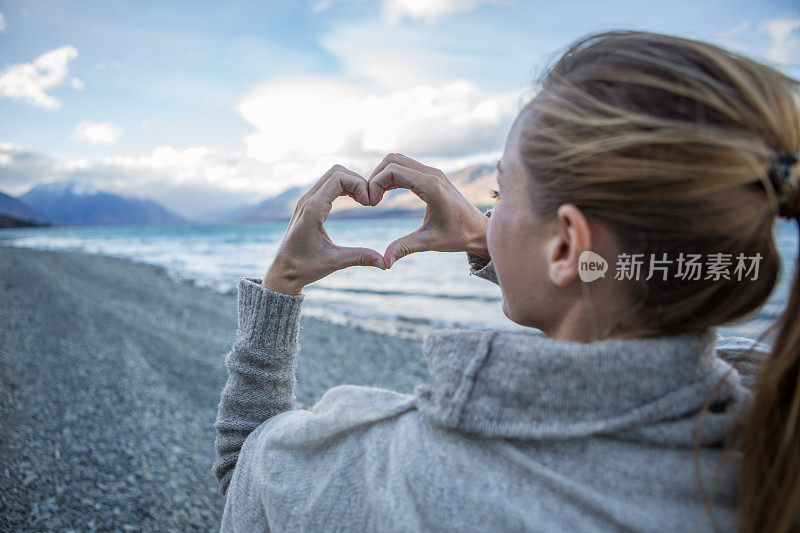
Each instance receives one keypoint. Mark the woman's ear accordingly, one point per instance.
(571, 237)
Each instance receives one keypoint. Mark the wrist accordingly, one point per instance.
(278, 282)
(477, 244)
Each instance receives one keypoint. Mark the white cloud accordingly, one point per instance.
(324, 5)
(428, 10)
(733, 37)
(31, 81)
(785, 37)
(321, 6)
(306, 120)
(104, 133)
(387, 58)
(21, 167)
(196, 165)
(2, 23)
(394, 95)
(75, 83)
(737, 30)
(306, 125)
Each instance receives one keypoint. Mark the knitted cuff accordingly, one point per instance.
(481, 267)
(266, 318)
(476, 262)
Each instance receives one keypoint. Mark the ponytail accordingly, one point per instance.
(769, 482)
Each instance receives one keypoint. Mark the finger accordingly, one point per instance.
(406, 162)
(397, 176)
(339, 184)
(325, 177)
(416, 241)
(314, 188)
(354, 256)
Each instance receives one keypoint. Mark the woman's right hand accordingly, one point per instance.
(451, 223)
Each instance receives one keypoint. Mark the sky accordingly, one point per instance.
(203, 106)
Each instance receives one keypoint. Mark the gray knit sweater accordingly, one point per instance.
(514, 431)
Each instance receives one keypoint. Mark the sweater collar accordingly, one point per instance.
(527, 385)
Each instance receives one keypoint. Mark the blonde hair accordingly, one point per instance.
(669, 142)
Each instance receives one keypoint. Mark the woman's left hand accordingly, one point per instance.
(307, 253)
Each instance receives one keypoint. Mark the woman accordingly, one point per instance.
(630, 412)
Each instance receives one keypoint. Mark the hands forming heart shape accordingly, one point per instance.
(307, 253)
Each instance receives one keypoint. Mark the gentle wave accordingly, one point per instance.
(420, 291)
(443, 296)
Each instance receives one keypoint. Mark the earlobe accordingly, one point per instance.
(561, 273)
(571, 239)
(558, 258)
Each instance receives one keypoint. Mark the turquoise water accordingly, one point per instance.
(429, 289)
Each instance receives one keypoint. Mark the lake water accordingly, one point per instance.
(421, 291)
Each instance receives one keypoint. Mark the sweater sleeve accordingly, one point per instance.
(480, 266)
(261, 370)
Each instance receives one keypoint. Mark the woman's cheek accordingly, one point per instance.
(496, 245)
(491, 238)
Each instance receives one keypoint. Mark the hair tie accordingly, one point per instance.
(779, 175)
(781, 169)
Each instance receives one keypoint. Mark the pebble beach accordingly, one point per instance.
(110, 375)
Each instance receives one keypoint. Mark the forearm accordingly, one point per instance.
(261, 370)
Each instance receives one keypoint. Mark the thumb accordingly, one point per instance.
(353, 256)
(408, 244)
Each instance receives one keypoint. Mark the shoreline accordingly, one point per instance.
(111, 373)
(413, 328)
(340, 313)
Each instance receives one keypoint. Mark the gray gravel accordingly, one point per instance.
(110, 375)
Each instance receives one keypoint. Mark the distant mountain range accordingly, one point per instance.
(278, 207)
(73, 202)
(473, 182)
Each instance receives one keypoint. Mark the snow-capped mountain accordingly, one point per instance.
(75, 188)
(73, 202)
